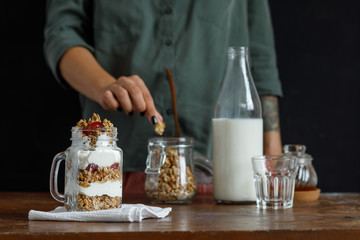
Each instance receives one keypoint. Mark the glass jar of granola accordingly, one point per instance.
(170, 171)
(93, 168)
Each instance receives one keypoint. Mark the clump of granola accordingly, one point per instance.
(94, 119)
(92, 203)
(159, 128)
(94, 174)
(94, 127)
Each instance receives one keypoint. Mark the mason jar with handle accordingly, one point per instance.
(93, 171)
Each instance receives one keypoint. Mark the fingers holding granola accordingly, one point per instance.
(122, 97)
(129, 93)
(109, 101)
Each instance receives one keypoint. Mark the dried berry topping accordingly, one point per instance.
(92, 127)
(114, 166)
(96, 125)
(92, 167)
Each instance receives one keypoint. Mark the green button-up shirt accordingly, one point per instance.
(144, 37)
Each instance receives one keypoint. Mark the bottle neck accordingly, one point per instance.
(238, 62)
(238, 97)
(238, 51)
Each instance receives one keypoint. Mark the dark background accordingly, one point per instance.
(318, 47)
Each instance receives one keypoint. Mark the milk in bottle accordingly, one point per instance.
(237, 132)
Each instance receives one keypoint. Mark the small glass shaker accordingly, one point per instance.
(306, 178)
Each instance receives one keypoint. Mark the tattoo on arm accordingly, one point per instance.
(270, 108)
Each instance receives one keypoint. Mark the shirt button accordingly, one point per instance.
(168, 42)
(168, 10)
(169, 111)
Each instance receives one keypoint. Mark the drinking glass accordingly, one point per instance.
(274, 178)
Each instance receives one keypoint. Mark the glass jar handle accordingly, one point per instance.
(153, 164)
(54, 177)
(204, 163)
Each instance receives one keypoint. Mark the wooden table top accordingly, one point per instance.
(333, 216)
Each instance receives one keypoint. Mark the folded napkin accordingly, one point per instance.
(127, 213)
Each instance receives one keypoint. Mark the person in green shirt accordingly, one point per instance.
(114, 53)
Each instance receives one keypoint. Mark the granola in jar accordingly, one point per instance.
(170, 177)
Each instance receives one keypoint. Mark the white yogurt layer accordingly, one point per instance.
(102, 156)
(112, 189)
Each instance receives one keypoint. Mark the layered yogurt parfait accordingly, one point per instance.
(93, 178)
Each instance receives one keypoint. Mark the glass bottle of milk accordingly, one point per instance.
(237, 131)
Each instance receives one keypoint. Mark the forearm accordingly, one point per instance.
(80, 69)
(272, 137)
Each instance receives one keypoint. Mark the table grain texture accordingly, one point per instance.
(333, 216)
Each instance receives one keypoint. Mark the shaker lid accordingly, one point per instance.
(304, 158)
(298, 150)
(294, 148)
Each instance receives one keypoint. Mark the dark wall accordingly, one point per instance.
(37, 114)
(319, 62)
(318, 45)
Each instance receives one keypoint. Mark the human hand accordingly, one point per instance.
(129, 93)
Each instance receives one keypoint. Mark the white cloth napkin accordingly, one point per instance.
(127, 213)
